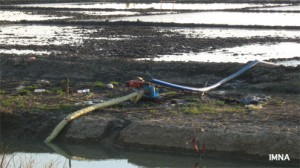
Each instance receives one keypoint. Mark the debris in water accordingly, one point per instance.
(255, 99)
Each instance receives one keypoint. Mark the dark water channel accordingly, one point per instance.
(27, 153)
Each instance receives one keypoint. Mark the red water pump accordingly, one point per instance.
(149, 90)
(135, 83)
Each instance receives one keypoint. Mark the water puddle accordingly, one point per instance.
(18, 16)
(106, 13)
(292, 62)
(23, 52)
(50, 35)
(38, 160)
(225, 18)
(230, 32)
(43, 35)
(241, 54)
(37, 154)
(165, 6)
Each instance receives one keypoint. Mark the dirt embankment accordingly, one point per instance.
(116, 69)
(163, 126)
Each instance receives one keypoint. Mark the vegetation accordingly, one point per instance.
(171, 93)
(114, 83)
(58, 91)
(2, 92)
(100, 84)
(35, 103)
(153, 111)
(213, 106)
(15, 161)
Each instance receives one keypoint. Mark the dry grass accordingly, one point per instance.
(18, 161)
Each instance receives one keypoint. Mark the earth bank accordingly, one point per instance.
(162, 126)
(169, 125)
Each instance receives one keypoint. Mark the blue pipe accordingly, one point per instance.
(205, 89)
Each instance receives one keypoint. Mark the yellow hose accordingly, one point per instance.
(136, 95)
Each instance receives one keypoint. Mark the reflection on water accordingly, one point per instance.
(18, 16)
(39, 160)
(241, 54)
(43, 35)
(293, 62)
(21, 52)
(50, 35)
(282, 8)
(169, 6)
(234, 32)
(106, 13)
(226, 18)
(78, 156)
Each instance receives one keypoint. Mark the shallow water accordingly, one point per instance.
(225, 18)
(74, 155)
(240, 54)
(23, 52)
(106, 13)
(18, 16)
(292, 63)
(46, 159)
(168, 6)
(282, 8)
(42, 35)
(235, 32)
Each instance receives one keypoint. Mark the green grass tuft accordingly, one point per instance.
(100, 84)
(58, 91)
(2, 91)
(115, 83)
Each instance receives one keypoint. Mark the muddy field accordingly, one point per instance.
(89, 54)
(150, 1)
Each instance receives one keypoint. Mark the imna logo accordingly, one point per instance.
(279, 157)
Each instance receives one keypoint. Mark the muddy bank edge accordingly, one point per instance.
(240, 140)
